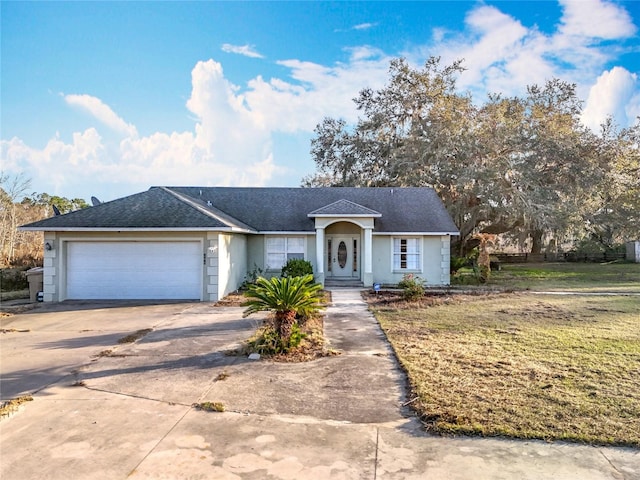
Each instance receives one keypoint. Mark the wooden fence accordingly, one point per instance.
(557, 257)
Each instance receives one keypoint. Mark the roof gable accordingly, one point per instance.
(344, 208)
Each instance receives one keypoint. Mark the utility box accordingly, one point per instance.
(36, 283)
(633, 251)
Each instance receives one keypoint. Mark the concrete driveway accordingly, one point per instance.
(47, 344)
(337, 417)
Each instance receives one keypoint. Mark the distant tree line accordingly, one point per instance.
(17, 208)
(521, 167)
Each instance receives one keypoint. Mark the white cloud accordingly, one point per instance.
(102, 112)
(611, 95)
(246, 50)
(502, 55)
(595, 19)
(578, 48)
(58, 162)
(364, 26)
(321, 91)
(499, 53)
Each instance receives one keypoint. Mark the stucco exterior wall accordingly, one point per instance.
(232, 262)
(342, 228)
(255, 253)
(434, 268)
(311, 252)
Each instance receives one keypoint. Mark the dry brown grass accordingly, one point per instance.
(135, 336)
(234, 299)
(311, 347)
(522, 365)
(11, 406)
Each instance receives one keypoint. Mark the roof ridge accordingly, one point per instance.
(218, 214)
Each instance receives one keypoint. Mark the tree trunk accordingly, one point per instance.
(536, 240)
(284, 322)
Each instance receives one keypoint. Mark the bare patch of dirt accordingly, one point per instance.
(390, 300)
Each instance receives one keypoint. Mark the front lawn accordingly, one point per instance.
(521, 365)
(613, 277)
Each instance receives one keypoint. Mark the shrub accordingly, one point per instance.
(412, 287)
(456, 263)
(12, 279)
(288, 298)
(251, 277)
(297, 267)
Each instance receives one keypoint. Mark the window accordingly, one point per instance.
(355, 255)
(406, 254)
(282, 249)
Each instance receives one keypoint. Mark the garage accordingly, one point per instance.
(134, 270)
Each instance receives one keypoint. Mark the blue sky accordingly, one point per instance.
(108, 99)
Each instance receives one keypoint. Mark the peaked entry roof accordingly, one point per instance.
(259, 210)
(344, 208)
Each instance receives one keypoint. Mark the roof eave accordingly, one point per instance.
(129, 229)
(431, 233)
(344, 215)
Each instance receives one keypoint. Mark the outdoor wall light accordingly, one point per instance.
(48, 247)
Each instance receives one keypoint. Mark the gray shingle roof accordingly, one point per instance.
(155, 208)
(344, 207)
(260, 209)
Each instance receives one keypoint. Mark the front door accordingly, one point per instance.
(342, 256)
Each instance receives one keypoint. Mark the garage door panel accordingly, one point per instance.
(134, 270)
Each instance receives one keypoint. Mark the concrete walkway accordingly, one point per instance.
(337, 417)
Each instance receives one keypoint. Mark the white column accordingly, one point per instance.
(368, 250)
(320, 250)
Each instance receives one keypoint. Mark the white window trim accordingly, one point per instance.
(268, 267)
(420, 254)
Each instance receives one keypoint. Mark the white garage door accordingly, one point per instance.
(134, 270)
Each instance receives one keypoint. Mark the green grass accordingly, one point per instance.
(522, 365)
(15, 295)
(608, 277)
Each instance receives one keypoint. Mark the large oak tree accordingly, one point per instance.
(521, 166)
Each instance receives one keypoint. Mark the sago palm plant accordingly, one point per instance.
(287, 298)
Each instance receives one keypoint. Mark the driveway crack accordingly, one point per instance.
(167, 433)
(622, 475)
(131, 395)
(375, 465)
